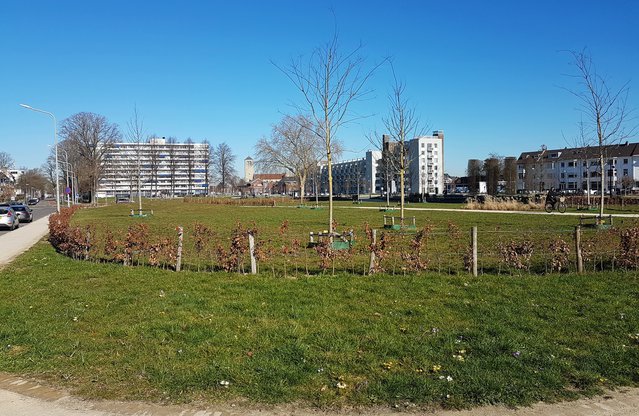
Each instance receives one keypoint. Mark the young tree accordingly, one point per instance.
(154, 164)
(402, 124)
(172, 153)
(206, 161)
(606, 116)
(330, 81)
(583, 144)
(189, 158)
(292, 147)
(136, 135)
(222, 159)
(91, 135)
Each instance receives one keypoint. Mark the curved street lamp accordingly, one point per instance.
(55, 138)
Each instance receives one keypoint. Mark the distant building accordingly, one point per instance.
(351, 177)
(426, 164)
(424, 170)
(168, 169)
(249, 169)
(264, 183)
(578, 169)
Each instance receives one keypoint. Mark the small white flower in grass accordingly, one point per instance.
(75, 319)
(449, 378)
(341, 385)
(225, 384)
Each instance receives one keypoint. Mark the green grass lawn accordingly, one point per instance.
(109, 331)
(447, 243)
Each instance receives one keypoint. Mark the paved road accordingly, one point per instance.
(41, 210)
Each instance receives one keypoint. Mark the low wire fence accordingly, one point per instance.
(284, 252)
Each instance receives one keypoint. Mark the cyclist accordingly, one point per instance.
(552, 196)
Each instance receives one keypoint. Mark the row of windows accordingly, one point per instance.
(610, 162)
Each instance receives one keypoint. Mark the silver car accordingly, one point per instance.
(25, 213)
(9, 218)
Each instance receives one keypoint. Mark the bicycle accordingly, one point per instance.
(559, 205)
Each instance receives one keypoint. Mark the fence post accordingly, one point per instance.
(473, 243)
(580, 260)
(87, 245)
(178, 262)
(251, 239)
(371, 266)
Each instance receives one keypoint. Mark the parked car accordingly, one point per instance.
(24, 213)
(8, 218)
(33, 201)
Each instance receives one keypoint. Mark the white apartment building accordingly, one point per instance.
(425, 170)
(578, 169)
(352, 177)
(166, 169)
(426, 164)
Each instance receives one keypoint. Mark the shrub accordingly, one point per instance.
(629, 256)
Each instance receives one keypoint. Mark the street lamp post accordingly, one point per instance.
(55, 138)
(69, 170)
(66, 159)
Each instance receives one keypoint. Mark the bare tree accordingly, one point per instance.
(329, 81)
(172, 153)
(402, 124)
(627, 183)
(510, 175)
(48, 170)
(32, 179)
(206, 161)
(473, 171)
(492, 170)
(222, 159)
(6, 161)
(189, 158)
(92, 136)
(388, 165)
(136, 135)
(154, 163)
(606, 116)
(584, 146)
(292, 147)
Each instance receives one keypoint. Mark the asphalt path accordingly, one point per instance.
(40, 210)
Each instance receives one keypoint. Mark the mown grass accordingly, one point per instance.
(109, 331)
(444, 253)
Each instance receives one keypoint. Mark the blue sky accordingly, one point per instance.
(489, 73)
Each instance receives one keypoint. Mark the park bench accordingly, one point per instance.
(595, 221)
(395, 223)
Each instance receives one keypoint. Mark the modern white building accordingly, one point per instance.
(354, 176)
(578, 169)
(424, 173)
(426, 164)
(166, 169)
